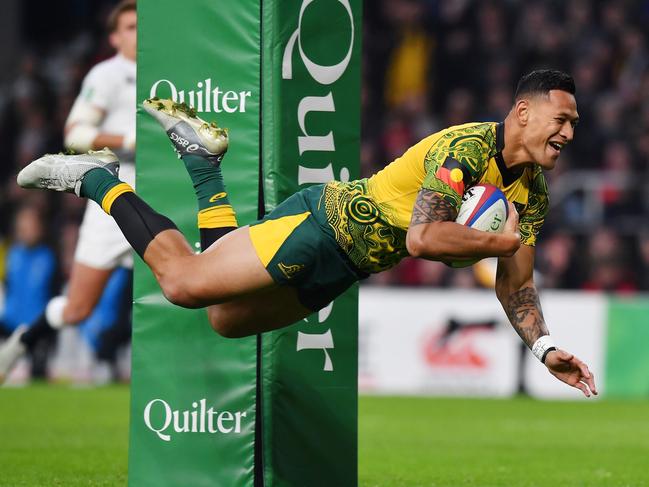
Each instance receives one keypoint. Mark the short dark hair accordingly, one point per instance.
(119, 9)
(541, 81)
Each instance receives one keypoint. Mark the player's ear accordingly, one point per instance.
(522, 111)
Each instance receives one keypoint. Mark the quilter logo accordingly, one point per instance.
(455, 345)
(205, 97)
(318, 85)
(164, 421)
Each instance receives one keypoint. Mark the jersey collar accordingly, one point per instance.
(508, 175)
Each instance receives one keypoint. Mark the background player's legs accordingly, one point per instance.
(119, 334)
(85, 287)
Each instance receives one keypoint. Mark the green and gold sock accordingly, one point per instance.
(103, 188)
(207, 180)
(216, 217)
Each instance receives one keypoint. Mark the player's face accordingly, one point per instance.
(551, 122)
(124, 39)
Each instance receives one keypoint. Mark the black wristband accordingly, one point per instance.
(545, 354)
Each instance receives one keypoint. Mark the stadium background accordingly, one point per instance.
(426, 65)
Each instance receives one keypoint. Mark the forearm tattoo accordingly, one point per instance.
(524, 312)
(430, 206)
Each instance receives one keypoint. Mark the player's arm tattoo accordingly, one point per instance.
(431, 206)
(524, 312)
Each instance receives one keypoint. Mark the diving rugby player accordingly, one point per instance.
(319, 241)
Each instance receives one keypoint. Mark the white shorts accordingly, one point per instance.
(101, 244)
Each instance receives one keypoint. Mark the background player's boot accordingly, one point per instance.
(61, 172)
(11, 351)
(189, 134)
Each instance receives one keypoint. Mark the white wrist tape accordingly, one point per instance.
(54, 311)
(80, 137)
(542, 347)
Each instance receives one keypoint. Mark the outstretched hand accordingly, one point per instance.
(569, 369)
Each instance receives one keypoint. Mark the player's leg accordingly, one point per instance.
(230, 269)
(116, 336)
(264, 311)
(202, 146)
(86, 286)
(300, 252)
(185, 278)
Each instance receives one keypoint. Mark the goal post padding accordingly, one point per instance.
(310, 113)
(194, 396)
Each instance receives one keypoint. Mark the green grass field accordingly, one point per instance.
(59, 436)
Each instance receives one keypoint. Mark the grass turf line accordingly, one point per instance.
(61, 436)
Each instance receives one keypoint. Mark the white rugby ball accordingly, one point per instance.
(484, 207)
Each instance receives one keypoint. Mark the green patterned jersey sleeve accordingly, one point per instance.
(456, 162)
(531, 220)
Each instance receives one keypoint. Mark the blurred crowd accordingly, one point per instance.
(59, 44)
(427, 64)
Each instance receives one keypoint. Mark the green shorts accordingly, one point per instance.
(298, 248)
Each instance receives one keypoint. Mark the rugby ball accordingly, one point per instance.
(484, 207)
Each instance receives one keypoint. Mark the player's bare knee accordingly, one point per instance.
(177, 293)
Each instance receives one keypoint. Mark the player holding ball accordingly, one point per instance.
(318, 242)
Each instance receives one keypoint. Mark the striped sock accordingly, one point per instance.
(103, 188)
(216, 217)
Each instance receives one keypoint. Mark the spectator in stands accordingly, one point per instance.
(31, 278)
(607, 269)
(556, 261)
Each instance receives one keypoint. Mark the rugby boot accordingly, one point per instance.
(11, 351)
(189, 134)
(64, 172)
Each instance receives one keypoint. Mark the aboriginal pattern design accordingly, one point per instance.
(532, 218)
(371, 244)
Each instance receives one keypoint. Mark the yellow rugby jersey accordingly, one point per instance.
(370, 217)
